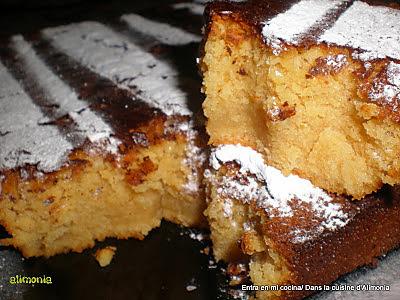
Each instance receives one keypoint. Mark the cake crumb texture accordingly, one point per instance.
(105, 255)
(92, 199)
(313, 111)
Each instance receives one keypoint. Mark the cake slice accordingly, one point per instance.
(294, 236)
(301, 106)
(313, 85)
(97, 140)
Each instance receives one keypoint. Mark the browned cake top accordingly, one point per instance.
(94, 87)
(372, 231)
(370, 28)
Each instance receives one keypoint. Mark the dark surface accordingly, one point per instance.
(160, 267)
(18, 16)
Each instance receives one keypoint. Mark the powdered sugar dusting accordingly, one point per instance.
(197, 235)
(387, 91)
(301, 235)
(249, 189)
(108, 53)
(164, 33)
(331, 64)
(194, 8)
(271, 190)
(290, 25)
(393, 74)
(374, 30)
(191, 288)
(227, 207)
(2, 177)
(336, 61)
(89, 125)
(23, 139)
(247, 226)
(195, 157)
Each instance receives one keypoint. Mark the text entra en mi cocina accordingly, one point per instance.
(307, 287)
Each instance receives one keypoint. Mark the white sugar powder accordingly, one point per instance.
(23, 140)
(89, 125)
(336, 61)
(271, 190)
(195, 156)
(279, 186)
(109, 54)
(374, 30)
(164, 33)
(288, 26)
(393, 74)
(227, 207)
(387, 92)
(194, 8)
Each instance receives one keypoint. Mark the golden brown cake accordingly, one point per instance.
(313, 85)
(97, 140)
(293, 235)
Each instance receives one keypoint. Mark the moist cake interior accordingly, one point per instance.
(313, 109)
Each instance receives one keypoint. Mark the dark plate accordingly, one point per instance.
(160, 267)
